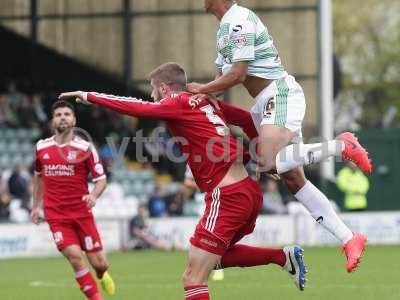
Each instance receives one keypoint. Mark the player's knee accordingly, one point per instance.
(76, 261)
(293, 181)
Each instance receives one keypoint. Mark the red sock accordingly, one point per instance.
(248, 256)
(197, 292)
(87, 284)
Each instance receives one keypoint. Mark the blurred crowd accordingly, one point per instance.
(15, 194)
(21, 110)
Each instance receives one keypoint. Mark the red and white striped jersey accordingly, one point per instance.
(64, 170)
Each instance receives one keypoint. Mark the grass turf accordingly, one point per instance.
(156, 275)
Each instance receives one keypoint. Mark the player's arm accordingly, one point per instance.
(243, 38)
(237, 116)
(236, 75)
(99, 187)
(128, 105)
(99, 178)
(37, 198)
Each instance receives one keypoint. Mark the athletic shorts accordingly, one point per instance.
(282, 103)
(230, 214)
(82, 232)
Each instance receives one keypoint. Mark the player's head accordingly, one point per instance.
(213, 6)
(166, 80)
(63, 116)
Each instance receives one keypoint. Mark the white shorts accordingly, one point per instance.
(282, 103)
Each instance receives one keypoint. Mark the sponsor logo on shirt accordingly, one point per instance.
(59, 170)
(240, 40)
(237, 28)
(46, 156)
(269, 107)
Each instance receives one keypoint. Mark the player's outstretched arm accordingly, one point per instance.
(235, 76)
(128, 105)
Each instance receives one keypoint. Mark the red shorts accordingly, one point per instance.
(231, 213)
(82, 232)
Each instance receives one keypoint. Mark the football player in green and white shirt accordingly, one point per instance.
(247, 55)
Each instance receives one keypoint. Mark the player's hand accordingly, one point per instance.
(90, 200)
(78, 96)
(35, 216)
(194, 87)
(197, 98)
(274, 176)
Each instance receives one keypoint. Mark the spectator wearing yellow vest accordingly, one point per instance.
(355, 185)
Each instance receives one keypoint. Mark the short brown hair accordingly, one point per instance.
(171, 74)
(62, 103)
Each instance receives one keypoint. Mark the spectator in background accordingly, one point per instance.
(175, 202)
(38, 109)
(273, 203)
(355, 185)
(5, 111)
(26, 114)
(157, 207)
(140, 237)
(13, 97)
(4, 201)
(18, 186)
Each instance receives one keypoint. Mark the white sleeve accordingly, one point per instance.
(219, 62)
(243, 37)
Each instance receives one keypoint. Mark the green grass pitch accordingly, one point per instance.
(155, 275)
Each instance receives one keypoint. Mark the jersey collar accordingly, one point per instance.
(229, 12)
(74, 139)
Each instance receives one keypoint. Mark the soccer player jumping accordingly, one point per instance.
(63, 163)
(247, 55)
(233, 199)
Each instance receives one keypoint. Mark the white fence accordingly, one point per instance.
(380, 227)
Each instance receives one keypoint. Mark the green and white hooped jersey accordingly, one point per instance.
(243, 37)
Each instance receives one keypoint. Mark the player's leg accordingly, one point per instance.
(86, 282)
(281, 122)
(68, 243)
(91, 243)
(99, 263)
(199, 265)
(238, 255)
(322, 211)
(312, 198)
(281, 109)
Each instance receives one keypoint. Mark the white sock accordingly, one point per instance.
(322, 211)
(297, 155)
